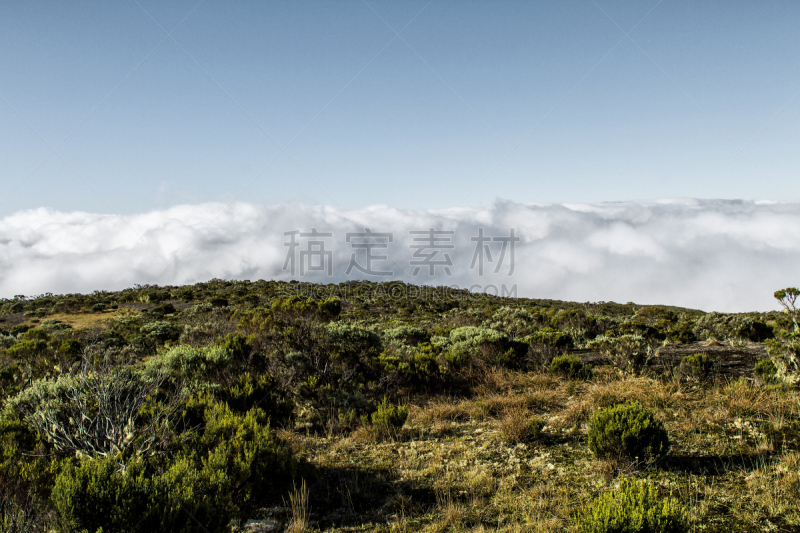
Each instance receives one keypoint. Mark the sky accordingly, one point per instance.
(431, 109)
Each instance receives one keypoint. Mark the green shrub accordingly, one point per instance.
(27, 348)
(389, 416)
(634, 508)
(535, 426)
(164, 309)
(98, 410)
(70, 347)
(629, 352)
(185, 360)
(234, 465)
(95, 494)
(330, 308)
(249, 391)
(242, 445)
(570, 367)
(236, 344)
(723, 326)
(35, 334)
(218, 301)
(628, 431)
(20, 328)
(697, 365)
(766, 371)
(160, 330)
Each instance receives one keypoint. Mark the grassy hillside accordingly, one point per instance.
(268, 406)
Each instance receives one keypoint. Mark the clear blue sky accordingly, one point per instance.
(699, 101)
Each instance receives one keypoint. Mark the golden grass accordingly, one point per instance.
(88, 320)
(726, 465)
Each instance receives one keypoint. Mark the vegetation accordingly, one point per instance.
(628, 431)
(635, 507)
(330, 408)
(570, 367)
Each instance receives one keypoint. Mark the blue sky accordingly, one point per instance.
(527, 101)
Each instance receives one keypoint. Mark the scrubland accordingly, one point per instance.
(266, 406)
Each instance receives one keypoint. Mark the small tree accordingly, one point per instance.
(788, 299)
(784, 350)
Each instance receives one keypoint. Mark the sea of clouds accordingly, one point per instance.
(707, 254)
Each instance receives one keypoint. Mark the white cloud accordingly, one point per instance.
(712, 255)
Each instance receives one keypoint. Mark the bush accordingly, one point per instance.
(628, 431)
(766, 371)
(722, 326)
(628, 352)
(389, 416)
(70, 347)
(160, 330)
(257, 390)
(218, 301)
(185, 360)
(234, 465)
(634, 508)
(98, 410)
(243, 446)
(94, 495)
(697, 365)
(27, 348)
(570, 367)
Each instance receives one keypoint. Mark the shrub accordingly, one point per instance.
(218, 301)
(27, 348)
(95, 494)
(722, 326)
(546, 344)
(160, 330)
(628, 431)
(70, 347)
(164, 309)
(20, 328)
(766, 371)
(628, 352)
(185, 360)
(697, 365)
(98, 410)
(570, 367)
(330, 308)
(243, 446)
(389, 416)
(634, 508)
(259, 390)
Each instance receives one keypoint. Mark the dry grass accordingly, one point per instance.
(89, 320)
(299, 503)
(464, 464)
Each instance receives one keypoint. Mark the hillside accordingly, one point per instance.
(384, 407)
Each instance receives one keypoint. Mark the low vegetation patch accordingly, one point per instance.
(636, 507)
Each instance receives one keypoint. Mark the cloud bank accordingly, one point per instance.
(706, 254)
